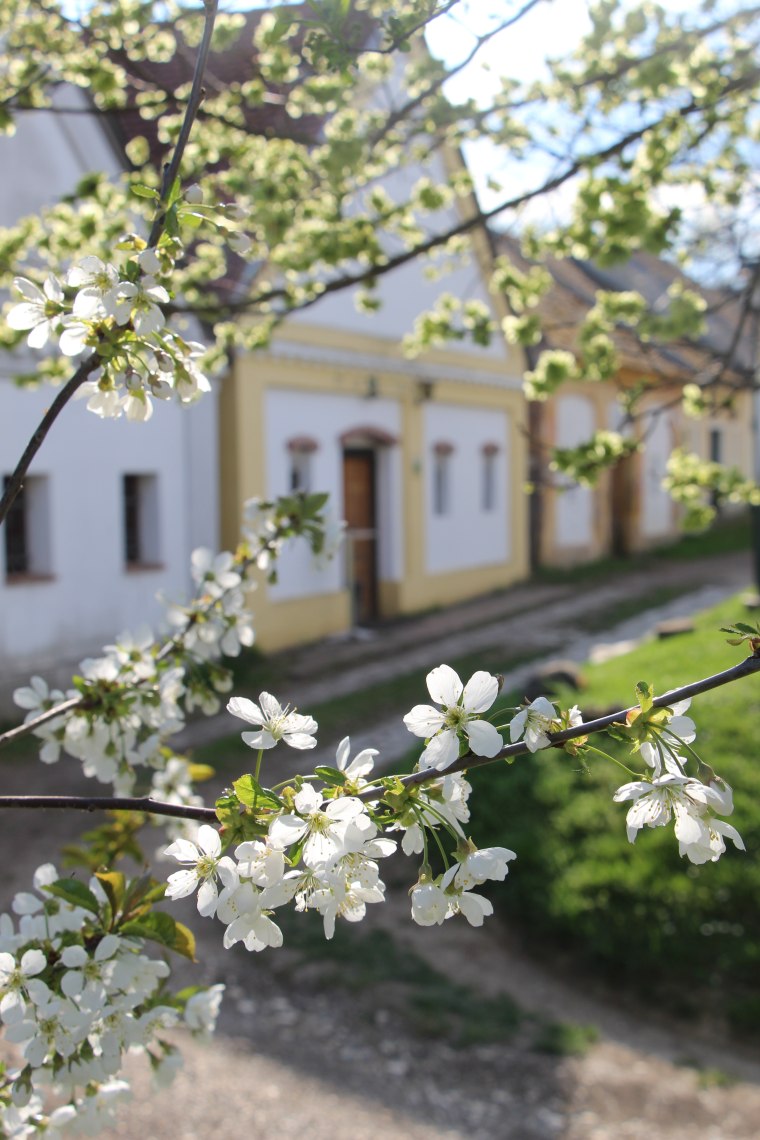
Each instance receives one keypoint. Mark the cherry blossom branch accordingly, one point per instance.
(172, 644)
(16, 480)
(109, 803)
(171, 170)
(156, 807)
(744, 669)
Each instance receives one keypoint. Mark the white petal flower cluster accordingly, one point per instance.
(693, 806)
(433, 901)
(322, 856)
(534, 723)
(458, 716)
(120, 317)
(73, 1000)
(160, 681)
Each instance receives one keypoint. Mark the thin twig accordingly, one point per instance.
(109, 803)
(16, 480)
(156, 807)
(29, 726)
(196, 95)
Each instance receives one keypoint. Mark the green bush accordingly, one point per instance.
(640, 915)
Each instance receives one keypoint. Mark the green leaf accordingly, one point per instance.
(184, 941)
(200, 772)
(156, 926)
(114, 884)
(141, 191)
(75, 893)
(248, 791)
(162, 928)
(190, 218)
(645, 693)
(330, 775)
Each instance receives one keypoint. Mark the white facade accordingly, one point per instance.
(326, 417)
(74, 585)
(574, 515)
(468, 495)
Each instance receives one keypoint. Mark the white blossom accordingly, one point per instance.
(276, 723)
(460, 706)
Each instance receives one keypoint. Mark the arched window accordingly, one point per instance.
(442, 453)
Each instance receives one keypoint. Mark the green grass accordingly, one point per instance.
(564, 1039)
(649, 921)
(725, 537)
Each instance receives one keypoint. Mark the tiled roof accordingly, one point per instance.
(572, 294)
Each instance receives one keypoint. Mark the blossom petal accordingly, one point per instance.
(424, 720)
(441, 752)
(444, 685)
(484, 739)
(480, 692)
(246, 710)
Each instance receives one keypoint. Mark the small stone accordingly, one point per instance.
(671, 627)
(548, 678)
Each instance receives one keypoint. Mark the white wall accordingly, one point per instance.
(656, 505)
(90, 595)
(466, 536)
(325, 417)
(573, 519)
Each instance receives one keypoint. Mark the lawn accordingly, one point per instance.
(647, 920)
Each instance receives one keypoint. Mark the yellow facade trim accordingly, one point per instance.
(298, 621)
(511, 366)
(280, 624)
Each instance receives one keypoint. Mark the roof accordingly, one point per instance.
(573, 293)
(229, 68)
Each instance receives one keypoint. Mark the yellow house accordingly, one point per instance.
(424, 458)
(628, 510)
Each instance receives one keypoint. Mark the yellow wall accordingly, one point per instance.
(282, 623)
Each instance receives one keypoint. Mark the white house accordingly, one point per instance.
(110, 510)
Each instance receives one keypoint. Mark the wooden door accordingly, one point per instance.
(361, 534)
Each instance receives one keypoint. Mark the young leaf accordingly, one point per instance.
(75, 893)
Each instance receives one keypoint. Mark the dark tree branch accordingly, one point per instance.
(16, 480)
(171, 170)
(156, 807)
(744, 669)
(109, 803)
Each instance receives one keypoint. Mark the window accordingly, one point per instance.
(488, 469)
(300, 449)
(716, 442)
(27, 531)
(442, 453)
(141, 524)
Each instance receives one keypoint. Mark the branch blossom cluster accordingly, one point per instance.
(77, 990)
(134, 698)
(76, 998)
(118, 316)
(320, 848)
